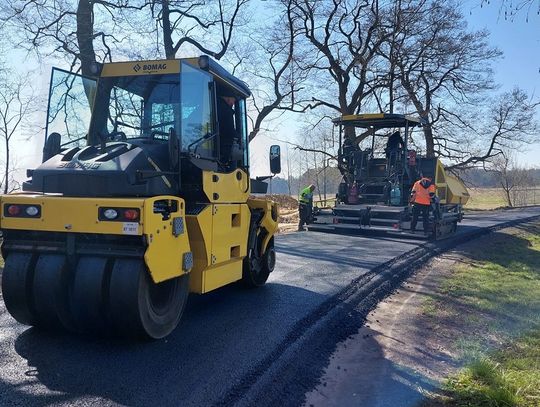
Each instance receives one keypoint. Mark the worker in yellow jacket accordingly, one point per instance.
(305, 206)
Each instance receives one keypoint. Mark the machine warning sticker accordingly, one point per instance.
(130, 228)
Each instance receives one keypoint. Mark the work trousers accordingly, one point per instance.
(304, 212)
(418, 209)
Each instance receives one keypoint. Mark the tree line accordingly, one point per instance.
(314, 58)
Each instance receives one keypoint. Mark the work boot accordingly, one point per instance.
(301, 229)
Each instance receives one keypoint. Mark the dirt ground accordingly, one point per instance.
(404, 352)
(288, 212)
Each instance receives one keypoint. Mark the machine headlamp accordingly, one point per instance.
(110, 214)
(32, 210)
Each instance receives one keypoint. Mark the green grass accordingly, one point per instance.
(429, 306)
(497, 291)
(508, 377)
(485, 198)
(492, 198)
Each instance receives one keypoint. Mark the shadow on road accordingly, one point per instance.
(221, 333)
(362, 375)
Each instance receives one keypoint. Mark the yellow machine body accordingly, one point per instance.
(450, 189)
(211, 245)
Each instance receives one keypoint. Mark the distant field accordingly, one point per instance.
(491, 198)
(485, 198)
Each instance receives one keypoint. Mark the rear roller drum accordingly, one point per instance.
(17, 286)
(88, 299)
(139, 307)
(50, 292)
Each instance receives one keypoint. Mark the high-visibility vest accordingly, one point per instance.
(306, 195)
(421, 195)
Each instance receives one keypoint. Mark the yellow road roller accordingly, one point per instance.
(142, 197)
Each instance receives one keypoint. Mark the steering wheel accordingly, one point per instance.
(117, 136)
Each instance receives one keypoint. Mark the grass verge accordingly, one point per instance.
(497, 288)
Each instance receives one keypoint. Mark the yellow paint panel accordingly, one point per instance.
(62, 214)
(230, 232)
(155, 67)
(223, 274)
(200, 236)
(218, 236)
(362, 116)
(455, 191)
(226, 188)
(165, 252)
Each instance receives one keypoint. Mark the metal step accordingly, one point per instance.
(343, 228)
(384, 221)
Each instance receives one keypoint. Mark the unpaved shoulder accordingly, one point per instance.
(408, 345)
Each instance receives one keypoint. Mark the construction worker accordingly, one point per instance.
(394, 147)
(422, 194)
(305, 206)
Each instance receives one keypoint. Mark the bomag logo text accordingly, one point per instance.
(154, 67)
(80, 165)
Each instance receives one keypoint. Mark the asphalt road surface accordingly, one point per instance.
(234, 346)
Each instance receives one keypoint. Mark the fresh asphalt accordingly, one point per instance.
(234, 346)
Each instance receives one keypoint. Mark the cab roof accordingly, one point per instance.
(157, 67)
(378, 120)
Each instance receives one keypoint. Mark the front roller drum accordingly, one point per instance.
(88, 302)
(17, 280)
(140, 308)
(50, 292)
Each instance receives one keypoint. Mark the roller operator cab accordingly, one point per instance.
(379, 167)
(143, 196)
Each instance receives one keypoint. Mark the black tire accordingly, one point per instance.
(138, 307)
(89, 295)
(50, 292)
(257, 269)
(17, 286)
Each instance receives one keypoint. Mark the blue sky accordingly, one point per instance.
(520, 42)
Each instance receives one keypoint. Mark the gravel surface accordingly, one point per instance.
(233, 346)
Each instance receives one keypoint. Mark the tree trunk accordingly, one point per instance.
(85, 35)
(430, 142)
(167, 33)
(509, 198)
(6, 183)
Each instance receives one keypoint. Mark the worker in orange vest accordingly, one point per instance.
(422, 193)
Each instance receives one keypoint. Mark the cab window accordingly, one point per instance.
(241, 118)
(71, 99)
(197, 127)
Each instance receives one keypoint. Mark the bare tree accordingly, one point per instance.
(510, 9)
(341, 40)
(268, 59)
(440, 63)
(15, 109)
(77, 31)
(506, 123)
(513, 179)
(207, 26)
(86, 31)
